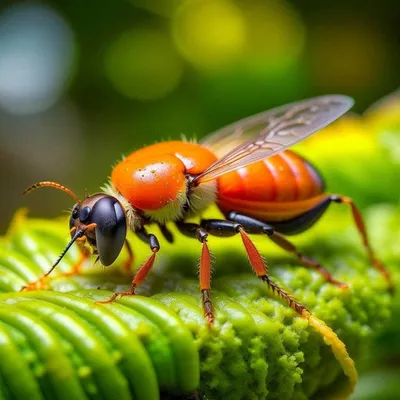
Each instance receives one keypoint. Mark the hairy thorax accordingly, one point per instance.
(153, 183)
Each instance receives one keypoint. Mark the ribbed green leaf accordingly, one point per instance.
(139, 347)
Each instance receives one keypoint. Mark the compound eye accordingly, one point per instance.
(109, 217)
(75, 212)
(85, 214)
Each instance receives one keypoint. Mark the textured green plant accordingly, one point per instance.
(63, 345)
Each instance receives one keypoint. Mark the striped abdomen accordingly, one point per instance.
(276, 189)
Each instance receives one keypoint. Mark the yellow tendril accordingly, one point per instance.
(338, 348)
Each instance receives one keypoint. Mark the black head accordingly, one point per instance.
(100, 218)
(103, 220)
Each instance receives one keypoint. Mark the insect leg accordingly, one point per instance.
(229, 228)
(77, 267)
(258, 227)
(84, 255)
(41, 283)
(166, 233)
(255, 226)
(196, 231)
(282, 242)
(361, 228)
(142, 272)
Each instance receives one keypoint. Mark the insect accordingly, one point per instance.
(259, 185)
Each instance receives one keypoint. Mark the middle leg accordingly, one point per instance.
(196, 231)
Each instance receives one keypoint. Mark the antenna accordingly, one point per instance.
(54, 185)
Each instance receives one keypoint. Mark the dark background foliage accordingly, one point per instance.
(82, 82)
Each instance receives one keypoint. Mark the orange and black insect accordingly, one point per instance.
(260, 187)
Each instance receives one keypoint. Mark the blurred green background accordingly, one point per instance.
(82, 82)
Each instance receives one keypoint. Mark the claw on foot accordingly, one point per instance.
(208, 308)
(39, 284)
(77, 267)
(75, 270)
(115, 296)
(209, 319)
(381, 268)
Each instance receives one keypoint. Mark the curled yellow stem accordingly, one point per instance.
(338, 348)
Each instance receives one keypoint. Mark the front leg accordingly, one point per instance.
(141, 274)
(77, 236)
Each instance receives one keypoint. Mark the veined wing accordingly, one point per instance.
(270, 132)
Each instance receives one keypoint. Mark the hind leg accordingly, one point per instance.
(305, 221)
(358, 219)
(252, 225)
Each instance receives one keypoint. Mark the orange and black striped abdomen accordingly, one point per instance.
(278, 188)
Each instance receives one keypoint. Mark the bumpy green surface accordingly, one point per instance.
(63, 345)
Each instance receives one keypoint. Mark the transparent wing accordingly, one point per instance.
(255, 138)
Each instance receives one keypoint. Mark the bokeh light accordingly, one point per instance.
(37, 55)
(143, 64)
(210, 34)
(275, 34)
(247, 53)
